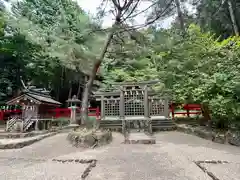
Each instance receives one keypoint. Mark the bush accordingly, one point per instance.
(61, 121)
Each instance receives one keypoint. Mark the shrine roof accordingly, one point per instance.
(44, 99)
(35, 97)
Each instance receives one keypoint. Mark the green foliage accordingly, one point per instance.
(196, 69)
(61, 121)
(213, 15)
(61, 28)
(50, 42)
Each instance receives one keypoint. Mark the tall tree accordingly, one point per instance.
(180, 15)
(233, 18)
(124, 12)
(219, 16)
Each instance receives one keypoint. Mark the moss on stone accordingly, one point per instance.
(83, 137)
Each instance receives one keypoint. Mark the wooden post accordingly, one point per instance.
(166, 108)
(146, 109)
(146, 103)
(102, 108)
(122, 111)
(121, 105)
(44, 125)
(36, 125)
(98, 114)
(172, 109)
(187, 108)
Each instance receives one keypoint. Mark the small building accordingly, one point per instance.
(35, 103)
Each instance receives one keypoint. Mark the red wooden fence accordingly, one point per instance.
(56, 113)
(66, 112)
(188, 108)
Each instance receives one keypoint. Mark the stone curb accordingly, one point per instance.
(22, 144)
(141, 141)
(9, 135)
(212, 136)
(92, 163)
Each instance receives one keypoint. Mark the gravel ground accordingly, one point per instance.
(172, 158)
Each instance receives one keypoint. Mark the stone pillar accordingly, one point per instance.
(146, 110)
(73, 115)
(73, 122)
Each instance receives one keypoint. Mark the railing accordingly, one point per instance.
(27, 123)
(188, 110)
(4, 114)
(55, 113)
(66, 112)
(11, 123)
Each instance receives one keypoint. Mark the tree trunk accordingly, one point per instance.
(180, 16)
(79, 88)
(233, 18)
(206, 115)
(88, 86)
(70, 92)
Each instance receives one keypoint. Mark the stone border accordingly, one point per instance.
(12, 135)
(142, 141)
(92, 163)
(24, 159)
(210, 174)
(209, 135)
(148, 140)
(22, 144)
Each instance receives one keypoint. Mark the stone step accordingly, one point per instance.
(111, 122)
(139, 138)
(113, 125)
(164, 128)
(163, 125)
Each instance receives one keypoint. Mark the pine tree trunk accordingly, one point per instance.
(233, 18)
(206, 115)
(79, 88)
(88, 87)
(180, 16)
(70, 92)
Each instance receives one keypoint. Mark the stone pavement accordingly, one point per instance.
(171, 158)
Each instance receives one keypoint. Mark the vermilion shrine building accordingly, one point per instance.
(35, 103)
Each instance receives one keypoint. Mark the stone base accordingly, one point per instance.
(89, 138)
(139, 138)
